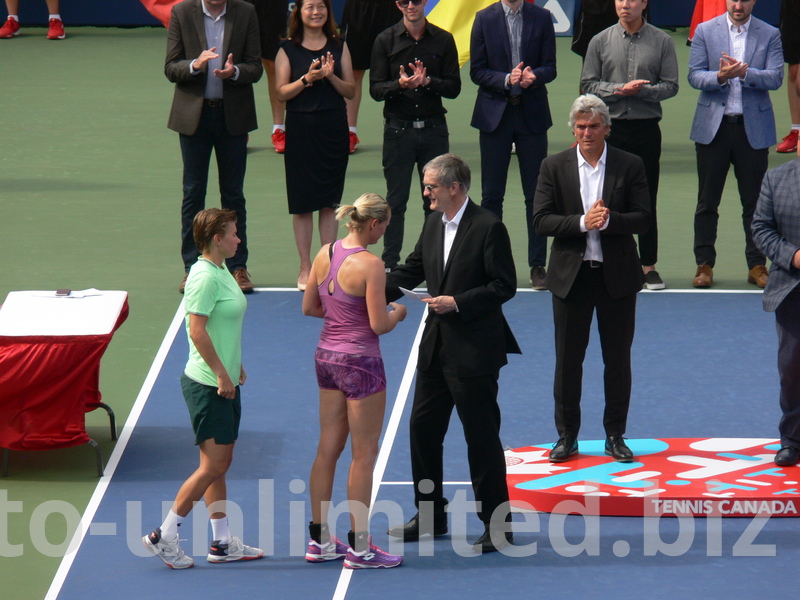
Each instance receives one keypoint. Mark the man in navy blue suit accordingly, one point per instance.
(513, 56)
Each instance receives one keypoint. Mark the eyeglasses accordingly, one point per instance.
(429, 187)
(405, 3)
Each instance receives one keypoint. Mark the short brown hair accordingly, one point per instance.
(208, 223)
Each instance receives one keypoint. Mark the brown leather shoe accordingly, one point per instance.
(182, 284)
(704, 277)
(758, 275)
(242, 277)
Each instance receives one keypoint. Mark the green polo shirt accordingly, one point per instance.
(212, 292)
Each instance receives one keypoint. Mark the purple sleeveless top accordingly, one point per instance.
(346, 327)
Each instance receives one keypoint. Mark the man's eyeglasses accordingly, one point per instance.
(429, 187)
(405, 3)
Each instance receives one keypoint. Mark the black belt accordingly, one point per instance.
(212, 103)
(735, 119)
(514, 100)
(418, 124)
(593, 264)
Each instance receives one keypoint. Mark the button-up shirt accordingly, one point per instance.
(451, 228)
(215, 37)
(737, 34)
(592, 179)
(514, 27)
(394, 48)
(616, 57)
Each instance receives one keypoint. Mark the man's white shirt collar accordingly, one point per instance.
(582, 161)
(737, 28)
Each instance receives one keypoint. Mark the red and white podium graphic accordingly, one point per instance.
(708, 477)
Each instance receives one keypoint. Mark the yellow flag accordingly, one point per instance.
(456, 16)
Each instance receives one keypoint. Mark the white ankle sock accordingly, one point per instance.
(219, 527)
(169, 529)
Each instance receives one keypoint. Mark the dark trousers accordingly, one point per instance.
(475, 400)
(495, 159)
(616, 320)
(231, 153)
(642, 137)
(403, 148)
(729, 146)
(787, 319)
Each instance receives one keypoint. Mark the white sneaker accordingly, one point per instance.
(235, 550)
(169, 552)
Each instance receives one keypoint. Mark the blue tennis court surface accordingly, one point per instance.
(704, 365)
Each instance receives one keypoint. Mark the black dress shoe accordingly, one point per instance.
(564, 448)
(618, 449)
(485, 544)
(411, 531)
(787, 456)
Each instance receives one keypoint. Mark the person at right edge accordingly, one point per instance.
(735, 61)
(776, 232)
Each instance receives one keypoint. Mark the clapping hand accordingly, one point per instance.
(228, 71)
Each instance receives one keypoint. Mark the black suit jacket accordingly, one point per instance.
(480, 275)
(490, 62)
(186, 40)
(558, 211)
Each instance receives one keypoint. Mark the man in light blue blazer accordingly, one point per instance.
(734, 61)
(776, 231)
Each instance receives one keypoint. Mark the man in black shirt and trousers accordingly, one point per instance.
(414, 65)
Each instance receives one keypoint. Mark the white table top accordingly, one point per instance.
(84, 312)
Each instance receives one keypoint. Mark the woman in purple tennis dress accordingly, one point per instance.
(346, 288)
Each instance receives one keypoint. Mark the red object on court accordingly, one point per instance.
(47, 385)
(705, 10)
(705, 477)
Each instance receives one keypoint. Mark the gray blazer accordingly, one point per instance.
(187, 39)
(776, 230)
(764, 57)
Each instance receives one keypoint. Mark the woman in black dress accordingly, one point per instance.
(314, 76)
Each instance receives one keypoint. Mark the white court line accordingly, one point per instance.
(119, 449)
(669, 291)
(388, 442)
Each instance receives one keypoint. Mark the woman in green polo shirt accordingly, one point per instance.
(215, 308)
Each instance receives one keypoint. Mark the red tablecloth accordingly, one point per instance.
(47, 384)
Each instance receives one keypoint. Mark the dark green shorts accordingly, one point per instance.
(212, 415)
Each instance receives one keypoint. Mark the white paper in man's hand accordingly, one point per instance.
(414, 295)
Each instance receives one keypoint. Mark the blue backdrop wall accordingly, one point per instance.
(131, 13)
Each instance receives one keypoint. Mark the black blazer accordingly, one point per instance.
(186, 40)
(558, 210)
(480, 275)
